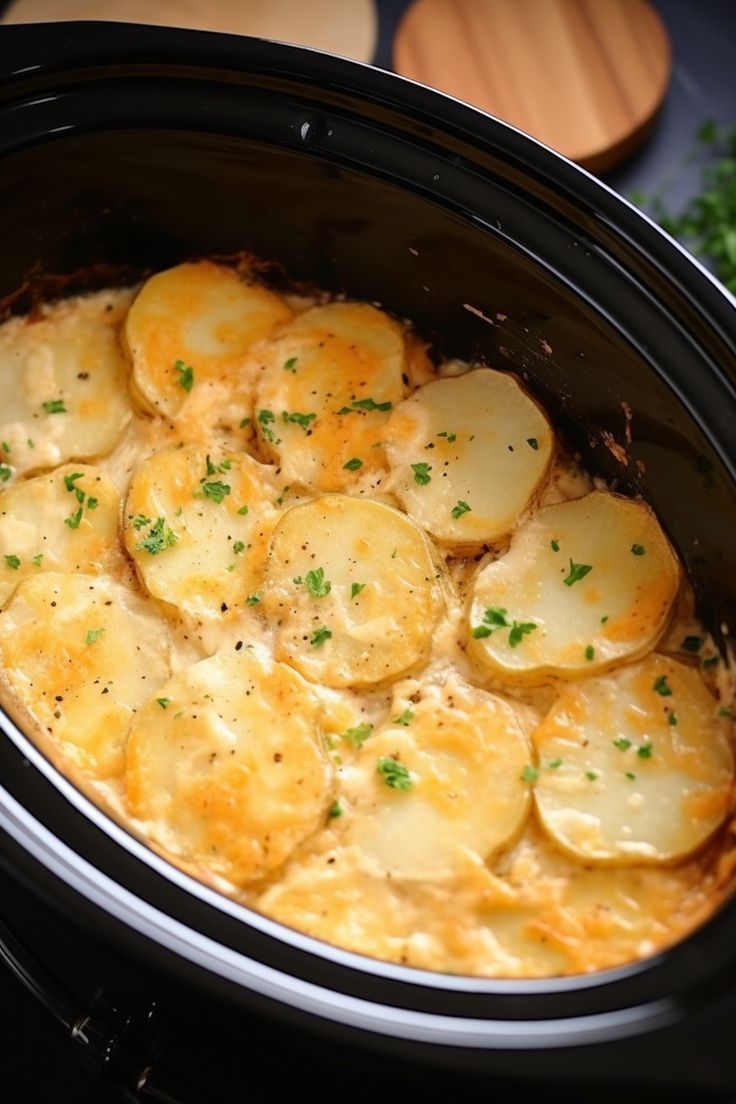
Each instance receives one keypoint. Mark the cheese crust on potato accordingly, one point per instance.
(344, 630)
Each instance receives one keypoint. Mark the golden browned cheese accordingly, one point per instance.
(350, 636)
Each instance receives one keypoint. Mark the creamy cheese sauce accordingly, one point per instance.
(408, 876)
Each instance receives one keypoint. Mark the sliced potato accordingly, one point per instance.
(467, 455)
(64, 382)
(351, 590)
(323, 395)
(81, 654)
(226, 767)
(65, 521)
(634, 767)
(464, 752)
(188, 331)
(585, 584)
(197, 527)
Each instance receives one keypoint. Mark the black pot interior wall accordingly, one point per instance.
(502, 278)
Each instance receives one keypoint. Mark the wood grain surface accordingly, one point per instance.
(584, 76)
(347, 27)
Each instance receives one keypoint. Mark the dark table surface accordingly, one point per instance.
(35, 1054)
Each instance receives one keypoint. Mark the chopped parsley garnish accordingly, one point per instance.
(70, 480)
(163, 702)
(554, 545)
(577, 572)
(459, 509)
(243, 511)
(529, 774)
(645, 751)
(355, 589)
(316, 584)
(6, 446)
(495, 618)
(370, 404)
(238, 547)
(74, 519)
(519, 630)
(160, 536)
(216, 491)
(533, 443)
(672, 717)
(622, 743)
(13, 562)
(358, 734)
(604, 619)
(711, 661)
(421, 474)
(252, 599)
(335, 810)
(661, 686)
(94, 634)
(302, 420)
(353, 465)
(589, 652)
(451, 437)
(186, 375)
(243, 423)
(591, 775)
(692, 643)
(404, 718)
(631, 776)
(92, 503)
(266, 418)
(553, 764)
(36, 561)
(290, 364)
(140, 521)
(213, 469)
(638, 549)
(5, 472)
(319, 636)
(725, 711)
(393, 773)
(54, 406)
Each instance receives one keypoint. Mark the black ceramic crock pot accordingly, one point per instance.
(126, 149)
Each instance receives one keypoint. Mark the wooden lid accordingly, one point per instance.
(343, 28)
(584, 76)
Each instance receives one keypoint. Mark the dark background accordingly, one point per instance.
(37, 1059)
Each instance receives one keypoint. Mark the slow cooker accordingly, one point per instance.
(126, 149)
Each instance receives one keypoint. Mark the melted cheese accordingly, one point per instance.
(385, 784)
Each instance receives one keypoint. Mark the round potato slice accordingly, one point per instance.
(226, 766)
(634, 767)
(324, 392)
(441, 781)
(81, 654)
(585, 584)
(64, 382)
(188, 331)
(467, 455)
(351, 590)
(66, 521)
(197, 527)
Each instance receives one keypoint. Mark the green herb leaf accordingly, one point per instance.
(238, 547)
(290, 364)
(353, 465)
(529, 773)
(393, 773)
(519, 630)
(319, 636)
(5, 472)
(591, 775)
(74, 519)
(711, 661)
(645, 751)
(54, 406)
(451, 437)
(554, 545)
(370, 404)
(335, 810)
(94, 634)
(725, 711)
(355, 589)
(140, 521)
(163, 702)
(92, 503)
(186, 375)
(252, 599)
(692, 643)
(638, 549)
(622, 743)
(672, 717)
(460, 509)
(317, 585)
(631, 776)
(243, 511)
(70, 480)
(160, 536)
(590, 652)
(13, 562)
(533, 443)
(577, 572)
(217, 491)
(302, 420)
(36, 561)
(358, 734)
(404, 718)
(421, 474)
(266, 419)
(243, 423)
(661, 686)
(553, 764)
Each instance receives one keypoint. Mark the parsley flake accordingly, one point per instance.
(590, 652)
(554, 545)
(404, 718)
(266, 418)
(92, 503)
(370, 404)
(13, 562)
(638, 549)
(36, 561)
(186, 375)
(645, 751)
(358, 734)
(55, 406)
(393, 773)
(140, 521)
(94, 634)
(591, 775)
(70, 480)
(355, 589)
(631, 776)
(335, 810)
(533, 443)
(451, 437)
(6, 446)
(692, 643)
(577, 572)
(160, 536)
(711, 661)
(421, 474)
(216, 491)
(290, 364)
(622, 743)
(74, 519)
(243, 511)
(672, 717)
(252, 599)
(5, 472)
(243, 423)
(519, 630)
(163, 702)
(529, 774)
(725, 711)
(353, 465)
(493, 618)
(553, 764)
(302, 420)
(319, 636)
(238, 547)
(459, 509)
(316, 584)
(662, 687)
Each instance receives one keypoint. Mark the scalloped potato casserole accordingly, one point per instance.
(350, 636)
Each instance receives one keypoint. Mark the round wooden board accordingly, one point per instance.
(584, 76)
(338, 27)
